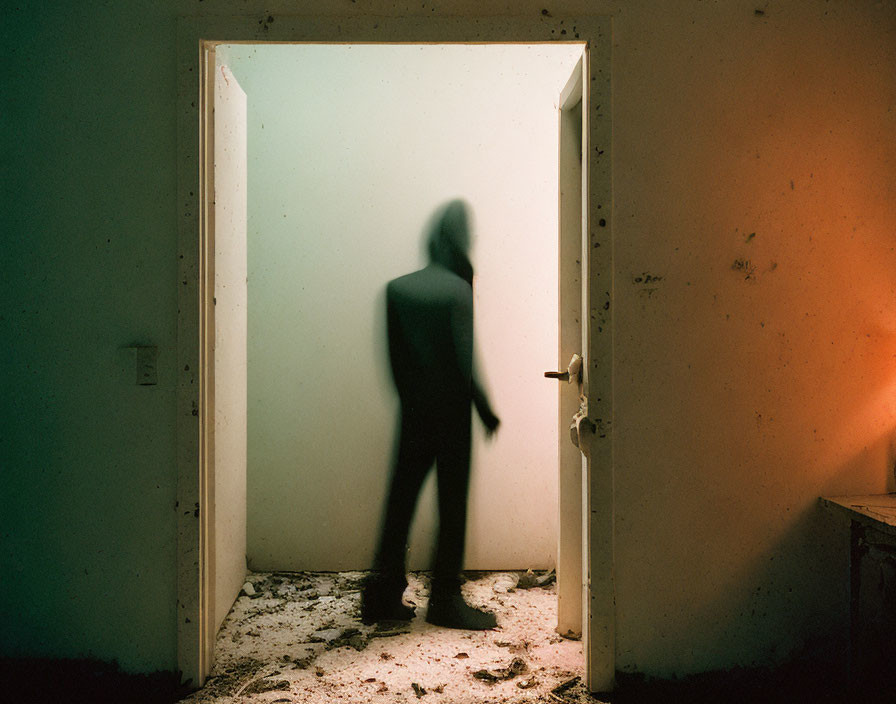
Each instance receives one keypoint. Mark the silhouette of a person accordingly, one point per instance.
(430, 328)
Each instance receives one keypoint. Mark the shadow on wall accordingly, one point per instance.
(763, 611)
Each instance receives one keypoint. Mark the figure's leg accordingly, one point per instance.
(453, 480)
(382, 593)
(446, 605)
(414, 459)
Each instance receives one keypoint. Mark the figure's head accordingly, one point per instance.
(449, 240)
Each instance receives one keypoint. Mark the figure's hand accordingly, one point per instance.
(484, 409)
(491, 423)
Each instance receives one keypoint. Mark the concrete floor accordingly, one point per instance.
(298, 638)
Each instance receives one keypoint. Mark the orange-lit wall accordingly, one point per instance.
(742, 391)
(755, 178)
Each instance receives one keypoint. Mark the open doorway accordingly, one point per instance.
(185, 605)
(351, 149)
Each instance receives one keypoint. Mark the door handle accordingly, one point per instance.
(562, 376)
(573, 371)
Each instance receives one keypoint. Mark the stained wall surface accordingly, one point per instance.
(353, 150)
(753, 183)
(755, 321)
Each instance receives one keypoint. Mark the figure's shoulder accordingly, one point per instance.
(459, 290)
(432, 281)
(402, 283)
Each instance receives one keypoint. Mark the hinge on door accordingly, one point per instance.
(580, 425)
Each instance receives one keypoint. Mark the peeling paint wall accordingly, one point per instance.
(753, 373)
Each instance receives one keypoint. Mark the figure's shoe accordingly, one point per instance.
(381, 601)
(451, 611)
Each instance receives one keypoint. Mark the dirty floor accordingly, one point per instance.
(297, 637)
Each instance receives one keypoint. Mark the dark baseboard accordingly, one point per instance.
(77, 681)
(818, 682)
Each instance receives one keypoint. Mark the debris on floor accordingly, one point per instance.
(530, 579)
(565, 686)
(516, 667)
(297, 637)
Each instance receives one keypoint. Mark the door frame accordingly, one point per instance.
(196, 35)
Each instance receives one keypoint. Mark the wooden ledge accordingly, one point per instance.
(876, 511)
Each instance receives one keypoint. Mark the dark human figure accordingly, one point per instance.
(430, 328)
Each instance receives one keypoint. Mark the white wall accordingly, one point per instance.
(352, 148)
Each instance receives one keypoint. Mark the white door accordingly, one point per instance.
(230, 321)
(569, 552)
(216, 563)
(586, 600)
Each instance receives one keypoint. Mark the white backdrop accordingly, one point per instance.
(351, 149)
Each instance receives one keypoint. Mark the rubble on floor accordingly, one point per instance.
(297, 637)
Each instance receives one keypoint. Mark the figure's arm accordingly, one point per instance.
(397, 352)
(462, 332)
(483, 407)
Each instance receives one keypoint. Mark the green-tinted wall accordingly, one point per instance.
(89, 268)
